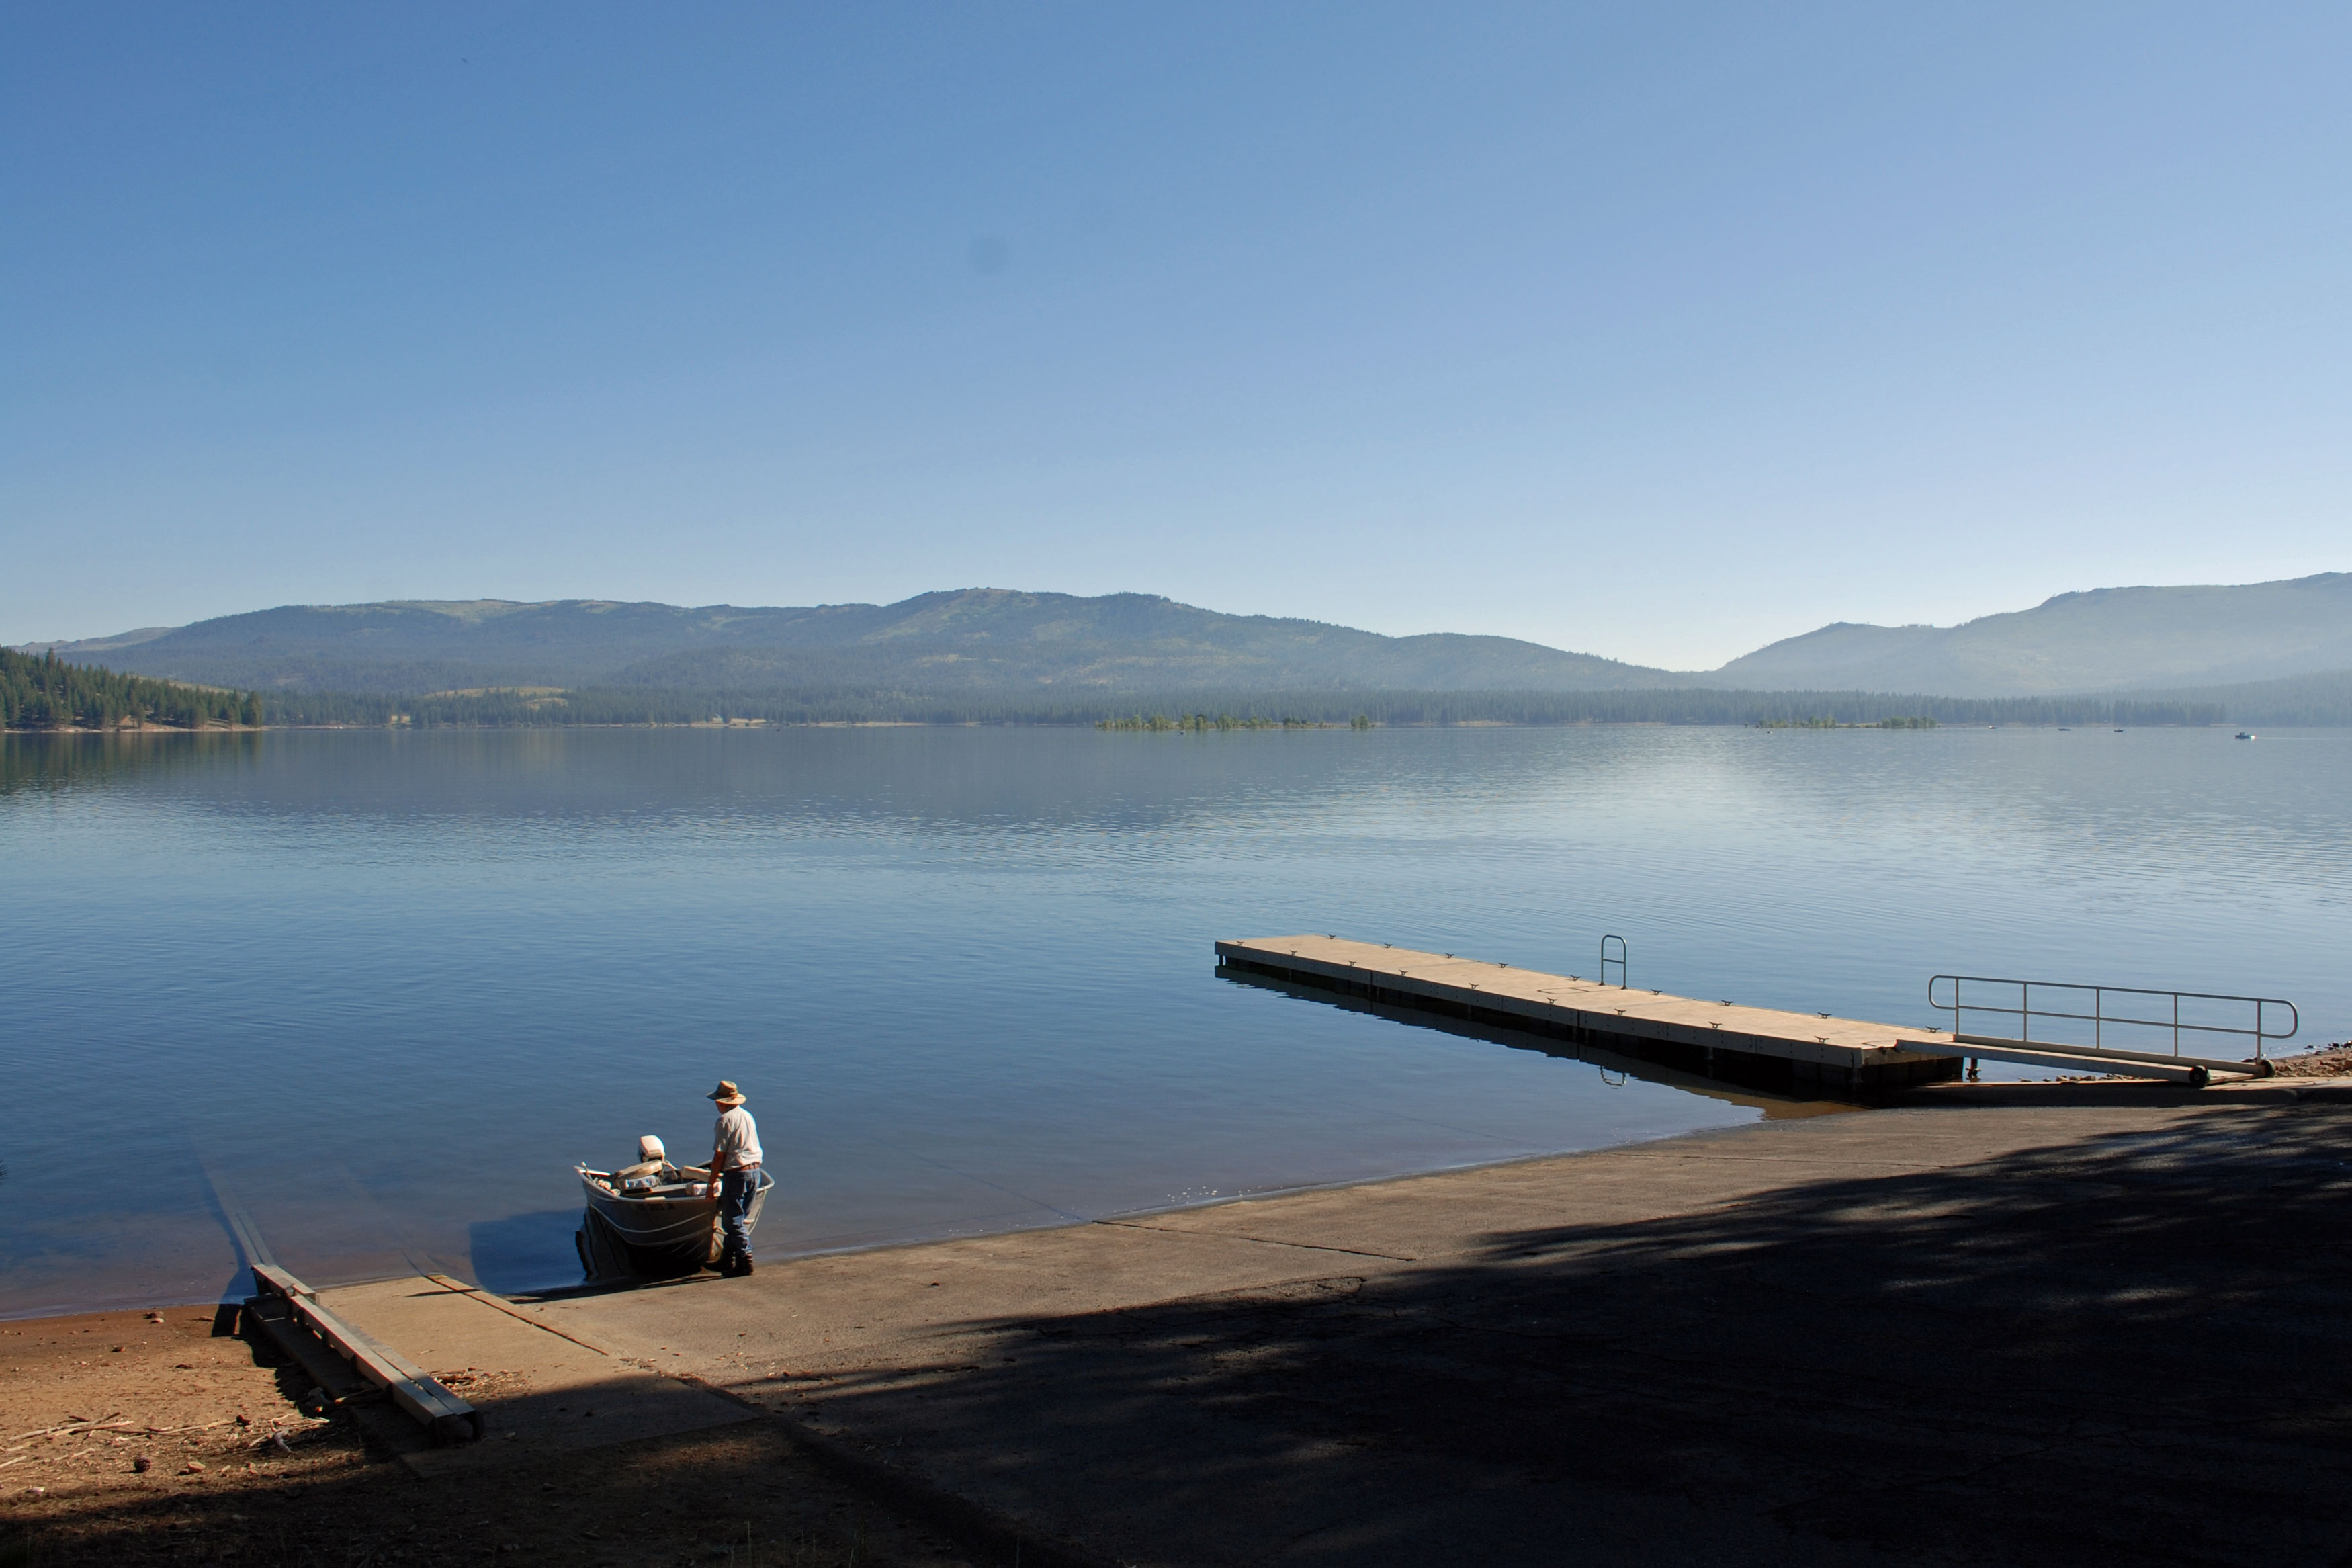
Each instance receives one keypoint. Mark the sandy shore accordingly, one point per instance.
(85, 1401)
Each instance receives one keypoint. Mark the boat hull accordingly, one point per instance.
(653, 1237)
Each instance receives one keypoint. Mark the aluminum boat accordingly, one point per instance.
(653, 1224)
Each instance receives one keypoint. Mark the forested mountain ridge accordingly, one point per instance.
(46, 692)
(2106, 639)
(964, 640)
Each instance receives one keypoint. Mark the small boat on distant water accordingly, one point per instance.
(2245, 735)
(653, 1220)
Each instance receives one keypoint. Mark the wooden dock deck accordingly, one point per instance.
(1801, 1053)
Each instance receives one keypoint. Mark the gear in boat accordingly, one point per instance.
(653, 1219)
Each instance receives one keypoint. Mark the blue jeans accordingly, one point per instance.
(735, 1190)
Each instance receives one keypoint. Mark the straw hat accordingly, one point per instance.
(727, 1093)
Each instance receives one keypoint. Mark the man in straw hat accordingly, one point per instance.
(735, 1165)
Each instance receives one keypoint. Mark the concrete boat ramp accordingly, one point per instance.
(1923, 1334)
(1899, 1336)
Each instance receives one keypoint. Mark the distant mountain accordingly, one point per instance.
(90, 646)
(968, 640)
(2110, 639)
(994, 640)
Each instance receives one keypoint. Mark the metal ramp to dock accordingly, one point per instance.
(2159, 1024)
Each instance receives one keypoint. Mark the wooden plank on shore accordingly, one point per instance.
(278, 1281)
(413, 1388)
(275, 1316)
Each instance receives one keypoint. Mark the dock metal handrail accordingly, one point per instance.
(2099, 1017)
(1619, 961)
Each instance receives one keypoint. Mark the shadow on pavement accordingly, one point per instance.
(2129, 1348)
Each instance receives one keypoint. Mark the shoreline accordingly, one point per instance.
(2324, 1075)
(1276, 726)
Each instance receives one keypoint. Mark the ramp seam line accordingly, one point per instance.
(1260, 1240)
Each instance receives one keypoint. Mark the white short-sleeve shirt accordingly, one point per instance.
(737, 1139)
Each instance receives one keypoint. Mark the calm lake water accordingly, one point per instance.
(382, 990)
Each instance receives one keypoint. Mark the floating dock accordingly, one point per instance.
(1762, 1048)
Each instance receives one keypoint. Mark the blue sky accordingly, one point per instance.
(1654, 331)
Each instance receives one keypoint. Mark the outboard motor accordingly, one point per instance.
(653, 1167)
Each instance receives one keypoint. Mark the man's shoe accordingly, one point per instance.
(743, 1266)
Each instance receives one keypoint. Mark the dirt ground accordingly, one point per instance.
(2327, 1061)
(143, 1436)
